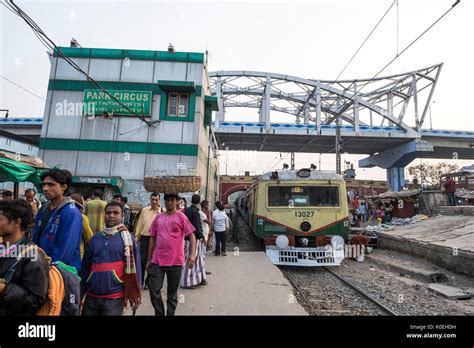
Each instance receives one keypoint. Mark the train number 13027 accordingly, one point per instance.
(304, 214)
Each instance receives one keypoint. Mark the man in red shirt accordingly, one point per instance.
(166, 254)
(450, 187)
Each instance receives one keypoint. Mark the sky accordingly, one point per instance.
(308, 39)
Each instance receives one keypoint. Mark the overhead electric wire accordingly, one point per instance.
(354, 55)
(281, 159)
(365, 40)
(23, 88)
(403, 51)
(344, 106)
(271, 162)
(51, 45)
(398, 24)
(357, 51)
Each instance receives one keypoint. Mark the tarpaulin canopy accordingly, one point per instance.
(400, 194)
(11, 170)
(32, 161)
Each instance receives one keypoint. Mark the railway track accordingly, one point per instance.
(323, 296)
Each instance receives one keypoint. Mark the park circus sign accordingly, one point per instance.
(98, 102)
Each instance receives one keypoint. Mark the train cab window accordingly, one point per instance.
(303, 196)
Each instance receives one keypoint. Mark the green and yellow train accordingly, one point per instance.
(301, 216)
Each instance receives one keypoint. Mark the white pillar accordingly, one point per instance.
(220, 115)
(266, 101)
(356, 109)
(390, 107)
(318, 107)
(415, 96)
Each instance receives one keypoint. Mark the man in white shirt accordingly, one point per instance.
(221, 225)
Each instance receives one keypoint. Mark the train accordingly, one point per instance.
(301, 217)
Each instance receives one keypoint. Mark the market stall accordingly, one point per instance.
(16, 169)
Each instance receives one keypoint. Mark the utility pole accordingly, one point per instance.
(292, 161)
(338, 147)
(226, 158)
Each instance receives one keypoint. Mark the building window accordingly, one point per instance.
(178, 104)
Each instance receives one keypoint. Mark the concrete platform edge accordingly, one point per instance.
(430, 277)
(462, 263)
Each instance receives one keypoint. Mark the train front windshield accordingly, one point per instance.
(303, 196)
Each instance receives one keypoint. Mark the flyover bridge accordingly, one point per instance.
(382, 117)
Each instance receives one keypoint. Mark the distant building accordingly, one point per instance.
(467, 168)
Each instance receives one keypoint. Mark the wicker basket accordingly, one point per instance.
(135, 206)
(176, 184)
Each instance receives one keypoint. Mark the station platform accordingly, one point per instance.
(243, 283)
(457, 210)
(447, 241)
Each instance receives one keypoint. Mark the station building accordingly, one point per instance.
(106, 145)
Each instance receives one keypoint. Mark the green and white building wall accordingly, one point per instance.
(106, 145)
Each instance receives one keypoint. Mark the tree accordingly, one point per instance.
(431, 173)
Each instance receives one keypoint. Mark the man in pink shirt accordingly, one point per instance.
(166, 254)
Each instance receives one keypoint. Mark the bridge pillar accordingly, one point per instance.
(396, 178)
(396, 159)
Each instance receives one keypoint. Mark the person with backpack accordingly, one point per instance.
(24, 280)
(58, 225)
(111, 268)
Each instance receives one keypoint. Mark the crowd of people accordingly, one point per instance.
(363, 211)
(116, 253)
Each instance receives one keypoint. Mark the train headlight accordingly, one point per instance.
(337, 243)
(282, 241)
(305, 226)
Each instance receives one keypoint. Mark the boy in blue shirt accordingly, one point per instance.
(58, 225)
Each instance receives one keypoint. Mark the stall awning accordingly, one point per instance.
(15, 171)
